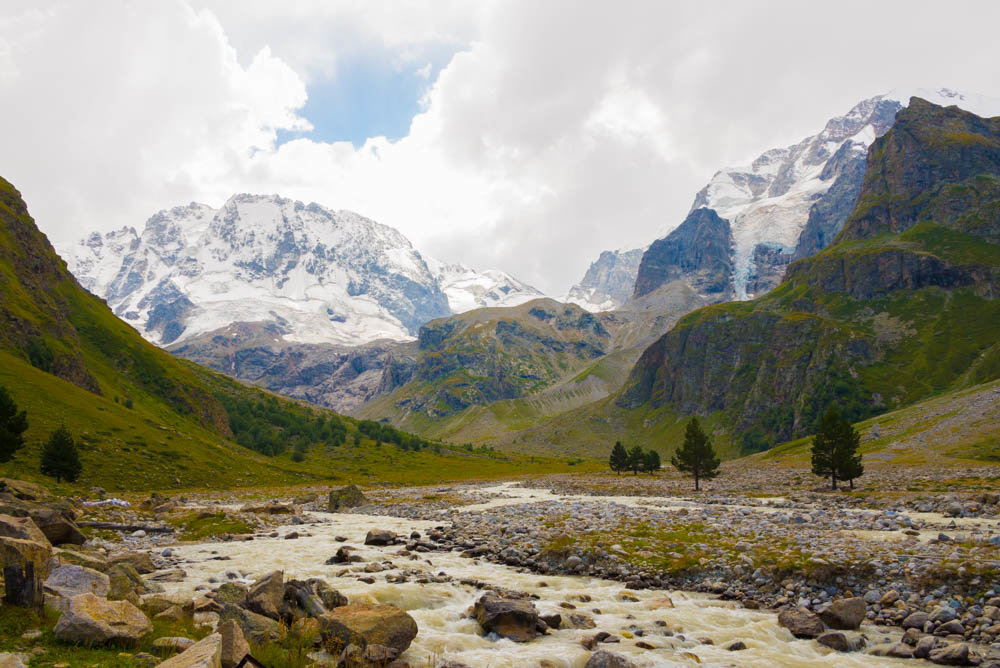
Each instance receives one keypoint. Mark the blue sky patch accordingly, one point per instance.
(368, 96)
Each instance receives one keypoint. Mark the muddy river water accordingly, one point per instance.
(441, 609)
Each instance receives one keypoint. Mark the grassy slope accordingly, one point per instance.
(955, 428)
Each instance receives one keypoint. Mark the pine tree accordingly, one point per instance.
(60, 458)
(824, 447)
(696, 456)
(13, 424)
(618, 461)
(636, 458)
(651, 463)
(848, 459)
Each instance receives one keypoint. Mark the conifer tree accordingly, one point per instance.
(651, 463)
(13, 424)
(848, 459)
(618, 461)
(696, 456)
(825, 447)
(636, 459)
(60, 458)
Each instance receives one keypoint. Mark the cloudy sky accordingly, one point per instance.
(526, 136)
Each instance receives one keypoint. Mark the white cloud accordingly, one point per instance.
(558, 129)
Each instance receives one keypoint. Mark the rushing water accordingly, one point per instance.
(441, 609)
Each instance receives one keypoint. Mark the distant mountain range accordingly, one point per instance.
(314, 274)
(749, 222)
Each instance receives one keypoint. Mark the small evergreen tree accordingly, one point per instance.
(619, 458)
(824, 447)
(636, 459)
(696, 456)
(299, 453)
(60, 458)
(848, 459)
(651, 463)
(13, 424)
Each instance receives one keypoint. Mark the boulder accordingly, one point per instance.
(231, 593)
(170, 645)
(579, 620)
(18, 552)
(952, 655)
(257, 628)
(69, 580)
(266, 595)
(12, 660)
(25, 491)
(364, 624)
(206, 653)
(512, 618)
(91, 620)
(835, 641)
(126, 584)
(802, 623)
(140, 561)
(605, 659)
(66, 556)
(345, 497)
(331, 597)
(916, 620)
(234, 644)
(23, 528)
(58, 528)
(845, 614)
(380, 537)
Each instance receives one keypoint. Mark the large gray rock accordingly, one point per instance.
(140, 561)
(916, 620)
(206, 653)
(234, 644)
(69, 580)
(257, 628)
(365, 624)
(802, 623)
(845, 614)
(605, 659)
(91, 620)
(512, 618)
(380, 537)
(346, 497)
(266, 595)
(952, 655)
(58, 528)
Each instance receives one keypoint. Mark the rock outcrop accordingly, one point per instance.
(89, 619)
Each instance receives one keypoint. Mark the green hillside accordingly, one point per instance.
(903, 307)
(146, 420)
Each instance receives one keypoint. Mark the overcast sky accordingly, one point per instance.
(526, 136)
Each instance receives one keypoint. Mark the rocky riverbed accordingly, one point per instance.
(608, 570)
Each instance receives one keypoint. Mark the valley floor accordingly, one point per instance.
(637, 565)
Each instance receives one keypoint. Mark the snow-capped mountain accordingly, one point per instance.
(791, 202)
(321, 276)
(609, 281)
(468, 289)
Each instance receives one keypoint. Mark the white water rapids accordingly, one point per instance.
(441, 609)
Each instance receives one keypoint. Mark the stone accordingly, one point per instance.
(949, 628)
(380, 537)
(924, 647)
(845, 614)
(266, 594)
(157, 603)
(18, 552)
(231, 593)
(23, 528)
(364, 624)
(952, 655)
(169, 645)
(58, 528)
(174, 613)
(257, 628)
(605, 659)
(736, 646)
(553, 621)
(661, 603)
(512, 618)
(12, 660)
(802, 623)
(126, 584)
(234, 644)
(331, 597)
(69, 580)
(834, 640)
(889, 598)
(345, 497)
(578, 620)
(140, 561)
(206, 653)
(89, 619)
(79, 558)
(900, 650)
(916, 620)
